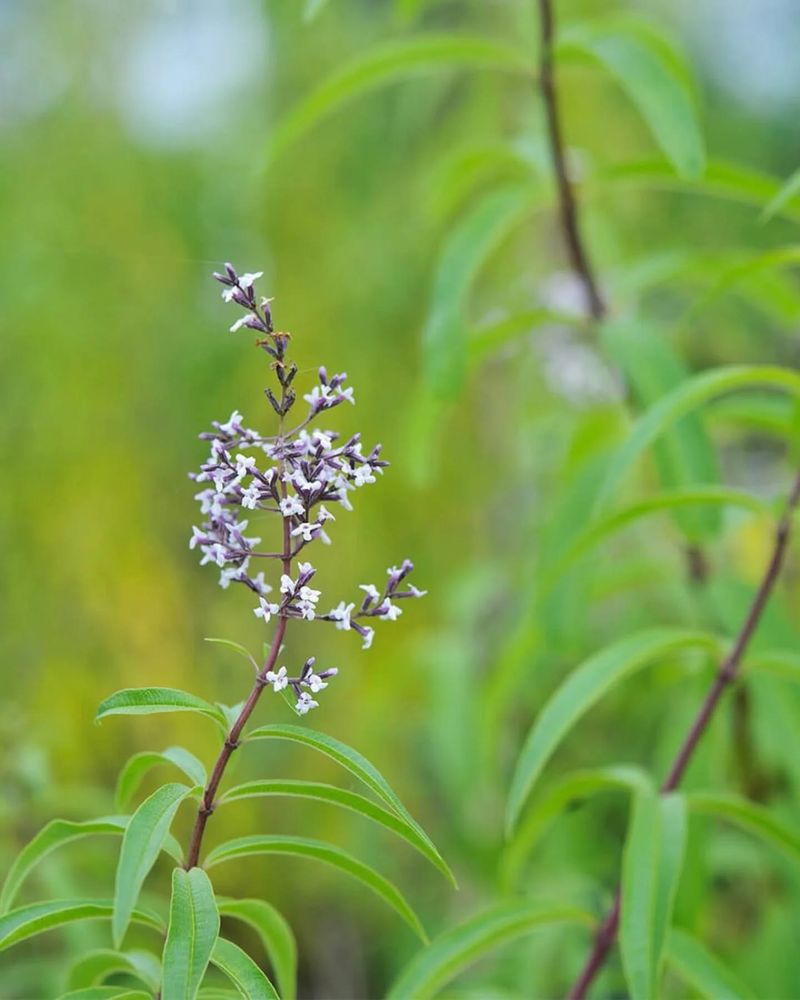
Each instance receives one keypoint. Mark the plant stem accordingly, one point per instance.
(724, 677)
(576, 251)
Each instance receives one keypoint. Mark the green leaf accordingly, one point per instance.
(302, 847)
(191, 935)
(242, 971)
(748, 816)
(581, 690)
(313, 8)
(28, 921)
(135, 769)
(447, 955)
(704, 971)
(106, 993)
(673, 828)
(485, 340)
(276, 936)
(144, 837)
(148, 701)
(347, 800)
(98, 965)
(694, 392)
(237, 647)
(384, 64)
(789, 190)
(466, 250)
(652, 75)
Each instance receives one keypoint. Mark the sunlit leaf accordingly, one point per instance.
(276, 936)
(131, 775)
(28, 921)
(347, 800)
(447, 955)
(702, 970)
(191, 935)
(318, 850)
(94, 968)
(148, 701)
(144, 837)
(581, 690)
(242, 971)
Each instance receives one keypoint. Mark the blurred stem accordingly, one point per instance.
(568, 210)
(724, 677)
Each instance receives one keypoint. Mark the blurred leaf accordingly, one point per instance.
(748, 816)
(242, 971)
(790, 189)
(347, 800)
(673, 831)
(276, 936)
(702, 970)
(684, 454)
(447, 955)
(484, 340)
(36, 918)
(150, 700)
(653, 76)
(384, 64)
(779, 663)
(92, 969)
(106, 993)
(313, 8)
(131, 775)
(237, 647)
(318, 850)
(466, 250)
(143, 840)
(585, 686)
(192, 932)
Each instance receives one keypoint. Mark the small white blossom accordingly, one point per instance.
(325, 438)
(261, 584)
(415, 592)
(346, 394)
(371, 591)
(239, 323)
(368, 637)
(229, 426)
(306, 530)
(324, 514)
(247, 280)
(305, 568)
(244, 465)
(341, 615)
(320, 393)
(307, 594)
(198, 537)
(290, 506)
(265, 610)
(391, 612)
(250, 496)
(315, 682)
(363, 475)
(287, 584)
(228, 293)
(278, 681)
(305, 703)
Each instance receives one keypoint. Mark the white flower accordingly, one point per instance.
(305, 568)
(371, 591)
(219, 478)
(325, 438)
(324, 514)
(228, 426)
(261, 584)
(239, 323)
(287, 584)
(266, 610)
(415, 592)
(391, 612)
(246, 280)
(229, 575)
(198, 537)
(306, 530)
(368, 637)
(228, 293)
(341, 615)
(250, 496)
(305, 703)
(244, 465)
(346, 394)
(315, 682)
(363, 475)
(307, 594)
(320, 393)
(307, 610)
(278, 681)
(291, 505)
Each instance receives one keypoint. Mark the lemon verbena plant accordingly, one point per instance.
(294, 478)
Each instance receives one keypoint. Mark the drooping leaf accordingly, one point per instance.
(320, 851)
(106, 993)
(581, 690)
(98, 965)
(320, 792)
(148, 701)
(276, 936)
(653, 76)
(28, 921)
(135, 769)
(467, 248)
(790, 189)
(237, 647)
(144, 837)
(242, 971)
(447, 955)
(748, 816)
(702, 970)
(384, 64)
(191, 935)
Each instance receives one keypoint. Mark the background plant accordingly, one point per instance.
(446, 162)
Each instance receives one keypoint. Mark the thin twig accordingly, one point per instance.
(724, 677)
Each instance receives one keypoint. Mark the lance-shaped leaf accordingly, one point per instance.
(242, 971)
(790, 189)
(698, 967)
(106, 993)
(137, 767)
(276, 936)
(319, 792)
(150, 700)
(581, 690)
(447, 955)
(319, 851)
(98, 965)
(144, 837)
(28, 921)
(748, 816)
(191, 935)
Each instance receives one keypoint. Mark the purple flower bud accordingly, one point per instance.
(232, 273)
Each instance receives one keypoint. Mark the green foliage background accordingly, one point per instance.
(115, 353)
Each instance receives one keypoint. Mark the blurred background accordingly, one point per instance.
(134, 142)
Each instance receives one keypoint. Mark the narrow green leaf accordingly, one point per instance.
(485, 340)
(789, 190)
(98, 965)
(704, 971)
(447, 955)
(242, 971)
(28, 921)
(135, 769)
(320, 851)
(144, 837)
(276, 936)
(384, 64)
(673, 826)
(581, 690)
(779, 663)
(191, 935)
(653, 76)
(468, 247)
(237, 647)
(148, 701)
(347, 800)
(106, 993)
(748, 816)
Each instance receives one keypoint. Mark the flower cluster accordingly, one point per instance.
(296, 474)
